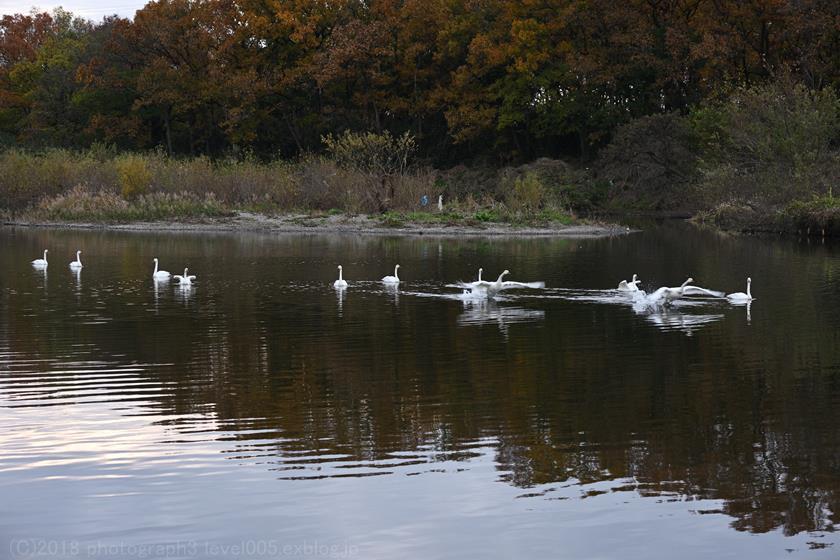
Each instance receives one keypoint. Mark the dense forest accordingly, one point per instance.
(483, 82)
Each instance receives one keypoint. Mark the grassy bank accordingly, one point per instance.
(359, 175)
(759, 159)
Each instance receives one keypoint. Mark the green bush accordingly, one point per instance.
(773, 143)
(527, 194)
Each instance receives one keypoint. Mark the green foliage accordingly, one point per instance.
(528, 193)
(774, 142)
(487, 215)
(781, 122)
(820, 214)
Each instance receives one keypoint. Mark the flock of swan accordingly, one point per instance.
(662, 296)
(483, 288)
(157, 275)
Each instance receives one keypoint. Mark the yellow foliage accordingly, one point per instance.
(134, 176)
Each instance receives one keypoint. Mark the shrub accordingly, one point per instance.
(528, 193)
(379, 157)
(134, 176)
(650, 163)
(375, 154)
(772, 142)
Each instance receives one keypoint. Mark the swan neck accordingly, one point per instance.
(156, 267)
(396, 270)
(340, 274)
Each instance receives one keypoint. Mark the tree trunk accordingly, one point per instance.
(167, 127)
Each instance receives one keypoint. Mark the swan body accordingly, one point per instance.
(160, 274)
(490, 289)
(341, 282)
(184, 280)
(78, 262)
(468, 287)
(741, 296)
(495, 287)
(667, 295)
(41, 262)
(631, 286)
(395, 279)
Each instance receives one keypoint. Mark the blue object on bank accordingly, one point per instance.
(424, 200)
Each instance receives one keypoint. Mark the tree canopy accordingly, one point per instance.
(492, 79)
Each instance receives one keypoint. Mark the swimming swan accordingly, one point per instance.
(493, 288)
(741, 296)
(78, 262)
(666, 295)
(490, 289)
(160, 274)
(41, 262)
(468, 287)
(631, 286)
(184, 280)
(341, 282)
(395, 279)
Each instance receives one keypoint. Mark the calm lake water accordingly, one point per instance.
(261, 414)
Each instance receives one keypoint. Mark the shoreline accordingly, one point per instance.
(339, 224)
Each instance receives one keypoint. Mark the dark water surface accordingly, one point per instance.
(263, 410)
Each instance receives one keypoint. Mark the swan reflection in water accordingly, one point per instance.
(340, 294)
(184, 292)
(394, 290)
(77, 278)
(481, 310)
(673, 319)
(669, 315)
(747, 304)
(674, 316)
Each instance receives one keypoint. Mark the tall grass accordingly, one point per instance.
(48, 182)
(100, 185)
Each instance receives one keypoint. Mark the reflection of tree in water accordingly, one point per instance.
(294, 381)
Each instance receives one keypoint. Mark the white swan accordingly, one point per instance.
(490, 289)
(395, 279)
(41, 262)
(160, 274)
(666, 295)
(78, 262)
(741, 296)
(698, 291)
(468, 287)
(494, 288)
(631, 286)
(341, 282)
(184, 280)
